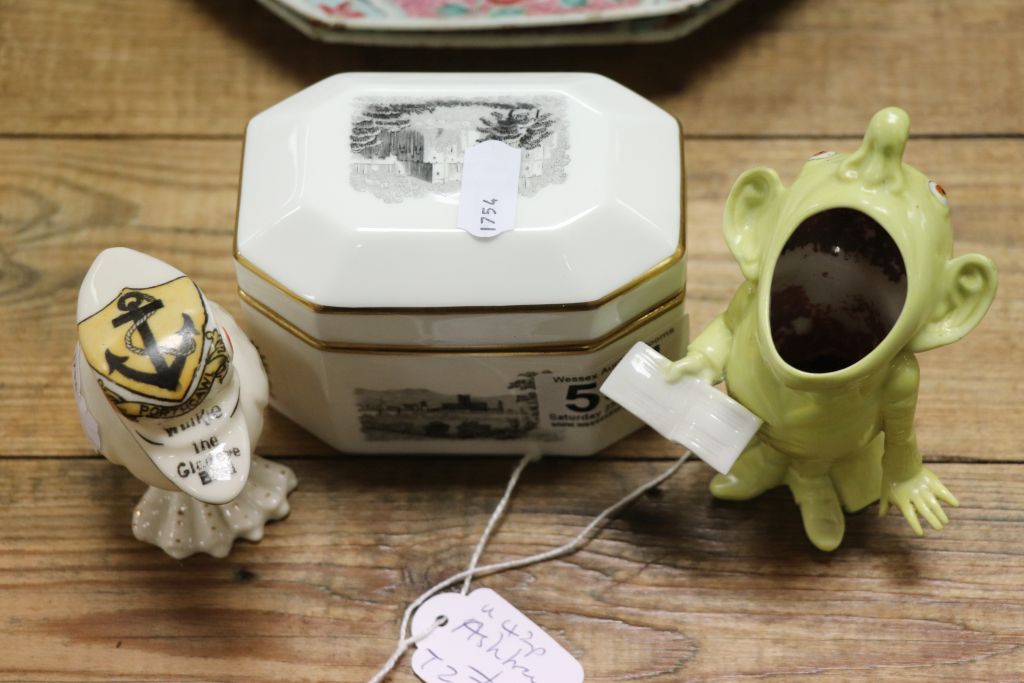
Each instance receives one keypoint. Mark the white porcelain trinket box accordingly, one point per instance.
(386, 328)
(168, 386)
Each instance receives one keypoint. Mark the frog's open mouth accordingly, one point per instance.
(837, 290)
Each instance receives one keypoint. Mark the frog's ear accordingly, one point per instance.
(748, 215)
(967, 289)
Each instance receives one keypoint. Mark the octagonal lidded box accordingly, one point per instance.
(387, 328)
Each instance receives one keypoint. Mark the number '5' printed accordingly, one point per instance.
(585, 393)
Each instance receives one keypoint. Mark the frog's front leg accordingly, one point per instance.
(707, 356)
(906, 482)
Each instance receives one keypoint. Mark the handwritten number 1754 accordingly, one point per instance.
(488, 210)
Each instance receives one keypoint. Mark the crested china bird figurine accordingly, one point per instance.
(169, 386)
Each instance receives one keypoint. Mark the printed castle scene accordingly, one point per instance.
(406, 149)
(416, 413)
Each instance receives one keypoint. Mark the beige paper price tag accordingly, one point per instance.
(484, 639)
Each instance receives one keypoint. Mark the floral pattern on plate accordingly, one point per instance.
(453, 14)
(498, 8)
(373, 22)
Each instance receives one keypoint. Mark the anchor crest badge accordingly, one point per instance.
(148, 341)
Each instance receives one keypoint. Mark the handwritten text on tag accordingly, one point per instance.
(485, 639)
(490, 188)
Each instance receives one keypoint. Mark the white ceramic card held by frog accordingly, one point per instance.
(453, 263)
(170, 387)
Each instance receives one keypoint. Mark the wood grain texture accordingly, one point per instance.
(790, 67)
(679, 588)
(62, 201)
(120, 123)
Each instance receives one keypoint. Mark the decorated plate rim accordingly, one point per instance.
(319, 18)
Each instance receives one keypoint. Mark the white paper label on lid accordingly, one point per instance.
(490, 189)
(484, 639)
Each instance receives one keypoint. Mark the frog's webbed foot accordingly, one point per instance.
(824, 521)
(758, 469)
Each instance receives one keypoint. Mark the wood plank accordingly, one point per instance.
(679, 588)
(62, 201)
(176, 67)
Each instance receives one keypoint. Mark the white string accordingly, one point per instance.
(404, 645)
(533, 455)
(581, 539)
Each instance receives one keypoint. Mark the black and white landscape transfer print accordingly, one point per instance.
(390, 414)
(407, 148)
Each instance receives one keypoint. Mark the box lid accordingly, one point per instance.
(350, 191)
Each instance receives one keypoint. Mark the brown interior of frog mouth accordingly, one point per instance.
(837, 290)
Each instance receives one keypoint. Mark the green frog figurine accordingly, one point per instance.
(849, 272)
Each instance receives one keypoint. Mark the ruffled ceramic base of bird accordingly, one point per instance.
(183, 526)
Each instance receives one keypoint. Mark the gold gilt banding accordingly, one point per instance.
(651, 273)
(558, 348)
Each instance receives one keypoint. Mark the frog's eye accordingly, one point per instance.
(824, 154)
(938, 192)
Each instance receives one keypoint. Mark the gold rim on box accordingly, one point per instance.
(558, 348)
(651, 273)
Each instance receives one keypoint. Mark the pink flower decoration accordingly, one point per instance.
(342, 9)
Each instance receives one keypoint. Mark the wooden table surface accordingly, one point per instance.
(121, 122)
